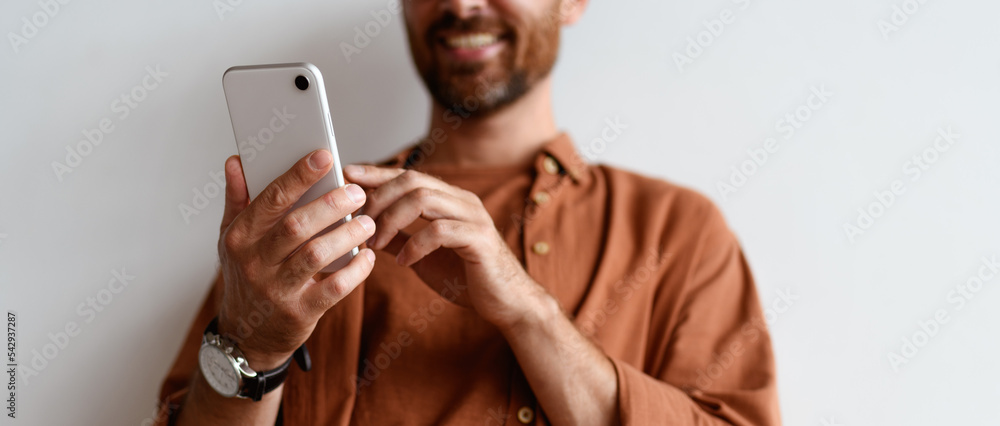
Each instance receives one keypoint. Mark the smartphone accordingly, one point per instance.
(279, 114)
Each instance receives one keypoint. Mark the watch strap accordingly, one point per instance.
(265, 381)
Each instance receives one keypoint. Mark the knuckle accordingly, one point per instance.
(385, 219)
(231, 241)
(335, 200)
(272, 294)
(439, 228)
(339, 285)
(409, 176)
(356, 231)
(276, 196)
(474, 199)
(313, 255)
(247, 270)
(286, 276)
(292, 226)
(423, 193)
(320, 303)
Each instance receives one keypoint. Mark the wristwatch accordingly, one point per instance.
(226, 370)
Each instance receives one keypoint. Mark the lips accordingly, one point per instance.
(471, 40)
(471, 46)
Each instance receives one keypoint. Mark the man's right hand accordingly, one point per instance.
(264, 273)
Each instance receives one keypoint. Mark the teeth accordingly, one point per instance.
(471, 41)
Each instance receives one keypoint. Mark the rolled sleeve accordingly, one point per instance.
(714, 365)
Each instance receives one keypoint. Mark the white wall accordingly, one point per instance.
(61, 239)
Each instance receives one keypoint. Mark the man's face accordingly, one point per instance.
(477, 56)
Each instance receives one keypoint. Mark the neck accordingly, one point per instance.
(508, 137)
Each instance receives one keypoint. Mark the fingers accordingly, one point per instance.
(453, 234)
(237, 198)
(304, 222)
(389, 190)
(326, 293)
(279, 196)
(370, 176)
(428, 203)
(322, 251)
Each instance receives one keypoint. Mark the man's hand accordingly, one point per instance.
(264, 273)
(459, 242)
(574, 381)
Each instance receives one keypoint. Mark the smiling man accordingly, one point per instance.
(505, 281)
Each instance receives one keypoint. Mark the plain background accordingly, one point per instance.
(855, 301)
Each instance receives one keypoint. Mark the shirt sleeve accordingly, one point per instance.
(175, 386)
(714, 364)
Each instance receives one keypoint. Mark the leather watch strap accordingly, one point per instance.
(265, 381)
(256, 387)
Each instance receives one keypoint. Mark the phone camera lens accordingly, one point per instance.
(302, 82)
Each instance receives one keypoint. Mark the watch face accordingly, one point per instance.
(219, 371)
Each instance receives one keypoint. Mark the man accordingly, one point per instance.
(505, 281)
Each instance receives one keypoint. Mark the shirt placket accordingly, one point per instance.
(539, 245)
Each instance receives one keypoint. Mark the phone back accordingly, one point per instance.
(277, 120)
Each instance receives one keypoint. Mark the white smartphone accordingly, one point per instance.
(280, 114)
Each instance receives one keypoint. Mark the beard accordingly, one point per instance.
(481, 88)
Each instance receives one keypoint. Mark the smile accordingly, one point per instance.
(471, 41)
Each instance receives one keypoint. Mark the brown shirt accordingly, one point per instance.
(646, 269)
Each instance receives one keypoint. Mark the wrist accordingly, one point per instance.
(534, 307)
(258, 360)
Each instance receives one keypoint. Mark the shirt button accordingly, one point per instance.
(550, 165)
(540, 247)
(525, 415)
(541, 197)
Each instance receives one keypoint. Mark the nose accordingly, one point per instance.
(464, 9)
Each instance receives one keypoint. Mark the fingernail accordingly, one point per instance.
(320, 159)
(370, 255)
(355, 170)
(367, 223)
(355, 193)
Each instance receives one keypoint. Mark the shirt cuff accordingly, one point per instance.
(644, 400)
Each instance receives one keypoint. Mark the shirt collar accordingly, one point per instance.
(560, 149)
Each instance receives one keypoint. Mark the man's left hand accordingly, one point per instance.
(460, 248)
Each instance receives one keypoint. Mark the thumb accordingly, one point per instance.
(237, 198)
